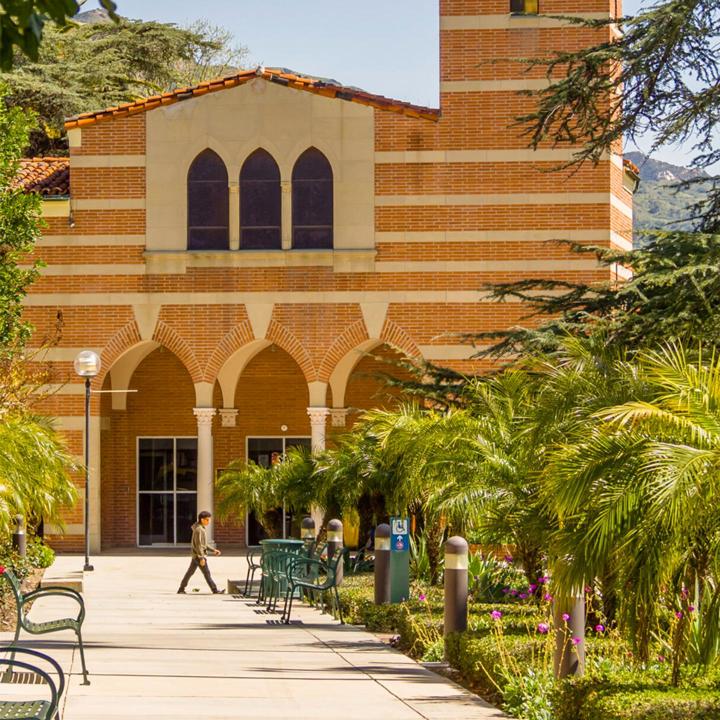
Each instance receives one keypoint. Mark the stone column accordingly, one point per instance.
(286, 214)
(234, 198)
(205, 480)
(228, 417)
(318, 416)
(339, 416)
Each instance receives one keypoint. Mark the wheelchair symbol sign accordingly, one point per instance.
(399, 526)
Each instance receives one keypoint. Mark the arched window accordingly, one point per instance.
(312, 201)
(208, 217)
(260, 203)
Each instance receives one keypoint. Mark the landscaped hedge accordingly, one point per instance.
(491, 650)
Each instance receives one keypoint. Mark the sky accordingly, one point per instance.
(388, 47)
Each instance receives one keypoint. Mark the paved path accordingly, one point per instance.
(155, 654)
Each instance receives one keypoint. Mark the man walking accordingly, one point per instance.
(199, 546)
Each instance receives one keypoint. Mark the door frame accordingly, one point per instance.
(174, 438)
(247, 451)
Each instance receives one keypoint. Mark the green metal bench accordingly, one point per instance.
(31, 709)
(314, 576)
(40, 628)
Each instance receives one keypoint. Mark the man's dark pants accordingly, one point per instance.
(204, 569)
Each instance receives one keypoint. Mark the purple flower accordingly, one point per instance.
(508, 558)
(523, 596)
(495, 614)
(421, 597)
(513, 592)
(679, 615)
(532, 589)
(576, 640)
(565, 617)
(691, 608)
(542, 580)
(599, 628)
(548, 597)
(543, 628)
(506, 590)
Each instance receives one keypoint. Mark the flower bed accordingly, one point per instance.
(506, 656)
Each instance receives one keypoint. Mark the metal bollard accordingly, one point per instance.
(382, 564)
(307, 530)
(569, 656)
(19, 539)
(456, 585)
(335, 543)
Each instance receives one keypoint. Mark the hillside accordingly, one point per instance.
(657, 203)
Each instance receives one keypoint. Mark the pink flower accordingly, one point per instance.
(588, 589)
(679, 615)
(506, 590)
(599, 628)
(565, 617)
(508, 558)
(513, 592)
(691, 608)
(576, 640)
(2, 569)
(542, 580)
(523, 596)
(532, 588)
(421, 597)
(495, 614)
(661, 658)
(543, 628)
(548, 597)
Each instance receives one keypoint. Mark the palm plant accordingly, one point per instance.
(34, 470)
(641, 485)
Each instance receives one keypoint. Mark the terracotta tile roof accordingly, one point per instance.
(49, 176)
(283, 76)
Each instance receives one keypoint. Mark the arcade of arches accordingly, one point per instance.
(158, 457)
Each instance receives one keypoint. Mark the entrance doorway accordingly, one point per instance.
(266, 451)
(167, 490)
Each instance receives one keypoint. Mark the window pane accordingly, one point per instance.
(305, 238)
(186, 474)
(208, 208)
(312, 165)
(312, 203)
(186, 504)
(156, 519)
(261, 239)
(260, 204)
(209, 205)
(260, 166)
(155, 464)
(208, 239)
(208, 165)
(297, 442)
(264, 451)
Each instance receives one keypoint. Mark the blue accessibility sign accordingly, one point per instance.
(399, 534)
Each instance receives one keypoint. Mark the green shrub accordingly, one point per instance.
(39, 554)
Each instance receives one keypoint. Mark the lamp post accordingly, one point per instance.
(87, 365)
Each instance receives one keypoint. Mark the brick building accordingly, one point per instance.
(234, 250)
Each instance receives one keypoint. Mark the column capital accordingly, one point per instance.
(339, 416)
(204, 415)
(228, 417)
(318, 415)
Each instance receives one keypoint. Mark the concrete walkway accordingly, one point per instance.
(155, 654)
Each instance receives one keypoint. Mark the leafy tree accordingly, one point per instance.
(660, 75)
(19, 228)
(22, 23)
(96, 65)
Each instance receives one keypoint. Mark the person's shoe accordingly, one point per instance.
(218, 592)
(181, 592)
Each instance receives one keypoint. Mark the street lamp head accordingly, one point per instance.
(87, 364)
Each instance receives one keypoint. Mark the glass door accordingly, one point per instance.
(167, 490)
(266, 452)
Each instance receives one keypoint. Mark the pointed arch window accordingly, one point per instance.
(260, 203)
(312, 201)
(208, 206)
